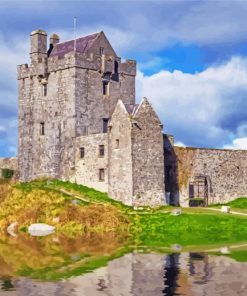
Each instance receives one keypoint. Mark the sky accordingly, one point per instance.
(191, 55)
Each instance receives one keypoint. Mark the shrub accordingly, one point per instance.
(7, 173)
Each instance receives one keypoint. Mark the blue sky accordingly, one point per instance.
(192, 60)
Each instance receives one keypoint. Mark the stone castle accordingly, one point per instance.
(78, 121)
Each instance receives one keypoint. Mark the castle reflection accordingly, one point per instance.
(151, 274)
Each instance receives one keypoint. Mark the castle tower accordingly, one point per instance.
(66, 92)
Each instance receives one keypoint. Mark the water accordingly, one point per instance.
(86, 266)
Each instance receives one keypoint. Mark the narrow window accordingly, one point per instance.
(44, 90)
(117, 144)
(101, 50)
(82, 152)
(105, 85)
(101, 150)
(105, 124)
(115, 67)
(101, 174)
(42, 128)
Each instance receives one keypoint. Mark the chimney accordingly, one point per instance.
(38, 45)
(54, 39)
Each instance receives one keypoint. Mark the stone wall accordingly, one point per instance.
(9, 163)
(87, 168)
(223, 171)
(148, 157)
(49, 154)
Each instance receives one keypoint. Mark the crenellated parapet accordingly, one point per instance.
(74, 59)
(23, 71)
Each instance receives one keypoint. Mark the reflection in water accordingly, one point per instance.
(134, 274)
(171, 274)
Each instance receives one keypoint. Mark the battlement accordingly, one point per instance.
(74, 59)
(129, 67)
(80, 60)
(23, 71)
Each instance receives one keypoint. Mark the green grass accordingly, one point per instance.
(148, 227)
(191, 229)
(237, 205)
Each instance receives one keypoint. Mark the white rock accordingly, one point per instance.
(11, 229)
(176, 212)
(40, 229)
(225, 209)
(225, 250)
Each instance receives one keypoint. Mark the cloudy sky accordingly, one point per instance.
(192, 60)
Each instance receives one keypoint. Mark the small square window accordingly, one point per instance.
(101, 150)
(82, 152)
(101, 174)
(42, 128)
(117, 144)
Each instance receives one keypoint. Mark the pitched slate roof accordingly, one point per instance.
(131, 108)
(82, 45)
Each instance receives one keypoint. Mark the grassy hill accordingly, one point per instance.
(77, 210)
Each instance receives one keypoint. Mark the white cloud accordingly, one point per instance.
(11, 54)
(203, 108)
(239, 143)
(2, 128)
(180, 144)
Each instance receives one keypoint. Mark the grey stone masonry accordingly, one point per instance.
(9, 163)
(136, 159)
(91, 161)
(216, 175)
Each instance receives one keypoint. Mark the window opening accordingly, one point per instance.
(82, 152)
(101, 174)
(101, 150)
(105, 87)
(105, 124)
(42, 128)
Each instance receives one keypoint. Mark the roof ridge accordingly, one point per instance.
(96, 33)
(83, 44)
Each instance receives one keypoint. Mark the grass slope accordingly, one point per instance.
(94, 212)
(239, 203)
